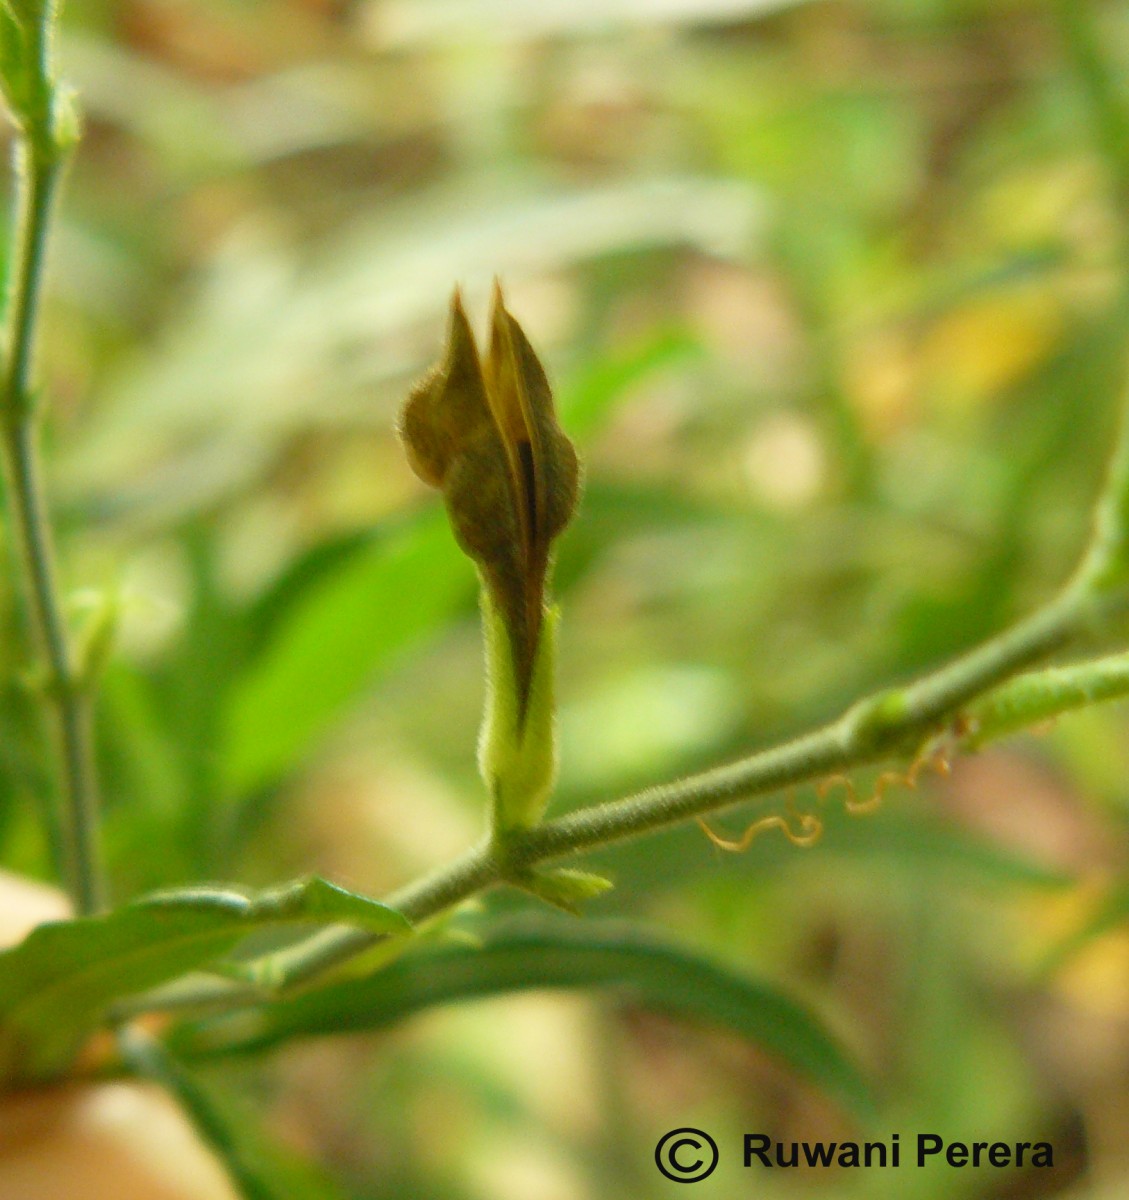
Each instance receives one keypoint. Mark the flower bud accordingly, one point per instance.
(486, 434)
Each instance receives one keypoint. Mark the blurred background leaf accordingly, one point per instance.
(541, 955)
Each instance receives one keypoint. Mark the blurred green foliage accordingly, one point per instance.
(829, 292)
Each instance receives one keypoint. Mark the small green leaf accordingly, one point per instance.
(564, 887)
(66, 117)
(56, 985)
(323, 902)
(638, 968)
(96, 628)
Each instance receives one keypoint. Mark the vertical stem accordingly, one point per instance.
(37, 177)
(221, 1131)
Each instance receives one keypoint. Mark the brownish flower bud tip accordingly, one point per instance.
(487, 435)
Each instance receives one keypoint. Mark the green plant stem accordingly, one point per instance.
(38, 174)
(1022, 702)
(37, 177)
(979, 695)
(1035, 697)
(147, 1058)
(892, 724)
(473, 871)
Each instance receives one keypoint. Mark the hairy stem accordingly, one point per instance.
(985, 693)
(982, 694)
(890, 724)
(37, 178)
(965, 699)
(894, 723)
(1032, 699)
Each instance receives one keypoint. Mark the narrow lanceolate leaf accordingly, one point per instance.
(56, 985)
(636, 968)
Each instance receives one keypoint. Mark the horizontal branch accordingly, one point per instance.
(980, 694)
(894, 724)
(986, 693)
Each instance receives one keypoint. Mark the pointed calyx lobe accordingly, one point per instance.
(487, 435)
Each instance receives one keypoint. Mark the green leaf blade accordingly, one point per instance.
(352, 624)
(56, 985)
(641, 969)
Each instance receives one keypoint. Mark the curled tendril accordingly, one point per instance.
(809, 829)
(805, 829)
(851, 803)
(935, 758)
